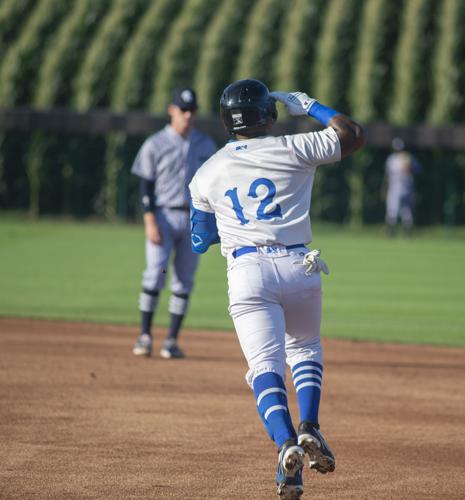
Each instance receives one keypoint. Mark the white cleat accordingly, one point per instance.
(143, 345)
(321, 458)
(171, 350)
(289, 484)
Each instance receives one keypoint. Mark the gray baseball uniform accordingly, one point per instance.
(170, 161)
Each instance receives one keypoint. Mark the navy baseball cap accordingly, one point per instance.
(185, 98)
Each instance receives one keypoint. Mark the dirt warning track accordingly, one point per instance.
(82, 418)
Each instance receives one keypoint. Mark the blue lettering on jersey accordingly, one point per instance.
(268, 200)
(239, 211)
(243, 146)
(261, 215)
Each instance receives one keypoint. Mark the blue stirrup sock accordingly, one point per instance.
(271, 396)
(307, 377)
(322, 113)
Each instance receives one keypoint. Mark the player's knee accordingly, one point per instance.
(153, 280)
(184, 286)
(277, 366)
(312, 353)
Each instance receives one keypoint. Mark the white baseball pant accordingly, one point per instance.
(276, 309)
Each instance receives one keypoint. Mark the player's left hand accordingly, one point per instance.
(153, 234)
(296, 103)
(314, 264)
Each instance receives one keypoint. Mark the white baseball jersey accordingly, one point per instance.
(399, 173)
(260, 189)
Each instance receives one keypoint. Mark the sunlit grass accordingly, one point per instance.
(403, 290)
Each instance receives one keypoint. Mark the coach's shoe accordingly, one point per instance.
(170, 350)
(289, 484)
(310, 438)
(143, 345)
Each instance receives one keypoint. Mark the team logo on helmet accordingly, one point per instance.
(237, 117)
(187, 96)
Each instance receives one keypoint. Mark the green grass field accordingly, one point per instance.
(402, 290)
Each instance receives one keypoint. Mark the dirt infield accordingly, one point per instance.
(82, 418)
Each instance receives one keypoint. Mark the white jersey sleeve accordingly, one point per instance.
(316, 148)
(198, 201)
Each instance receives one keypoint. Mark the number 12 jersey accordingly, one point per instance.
(260, 189)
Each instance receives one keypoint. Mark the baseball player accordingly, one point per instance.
(253, 196)
(166, 164)
(400, 170)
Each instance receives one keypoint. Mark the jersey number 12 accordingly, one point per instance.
(267, 200)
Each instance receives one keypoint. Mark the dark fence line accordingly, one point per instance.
(102, 122)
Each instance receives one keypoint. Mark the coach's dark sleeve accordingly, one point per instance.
(147, 195)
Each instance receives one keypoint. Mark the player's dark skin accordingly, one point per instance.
(350, 133)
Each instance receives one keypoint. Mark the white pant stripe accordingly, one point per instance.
(308, 384)
(178, 305)
(147, 303)
(313, 376)
(309, 367)
(269, 391)
(271, 409)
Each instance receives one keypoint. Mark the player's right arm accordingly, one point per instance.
(349, 133)
(145, 167)
(147, 192)
(204, 231)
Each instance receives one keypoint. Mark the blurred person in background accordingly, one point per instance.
(166, 163)
(399, 188)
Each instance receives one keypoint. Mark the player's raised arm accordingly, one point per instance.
(350, 133)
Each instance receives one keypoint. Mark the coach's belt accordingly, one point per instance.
(184, 208)
(243, 250)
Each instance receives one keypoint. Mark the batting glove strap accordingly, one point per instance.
(321, 113)
(296, 103)
(299, 103)
(314, 264)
